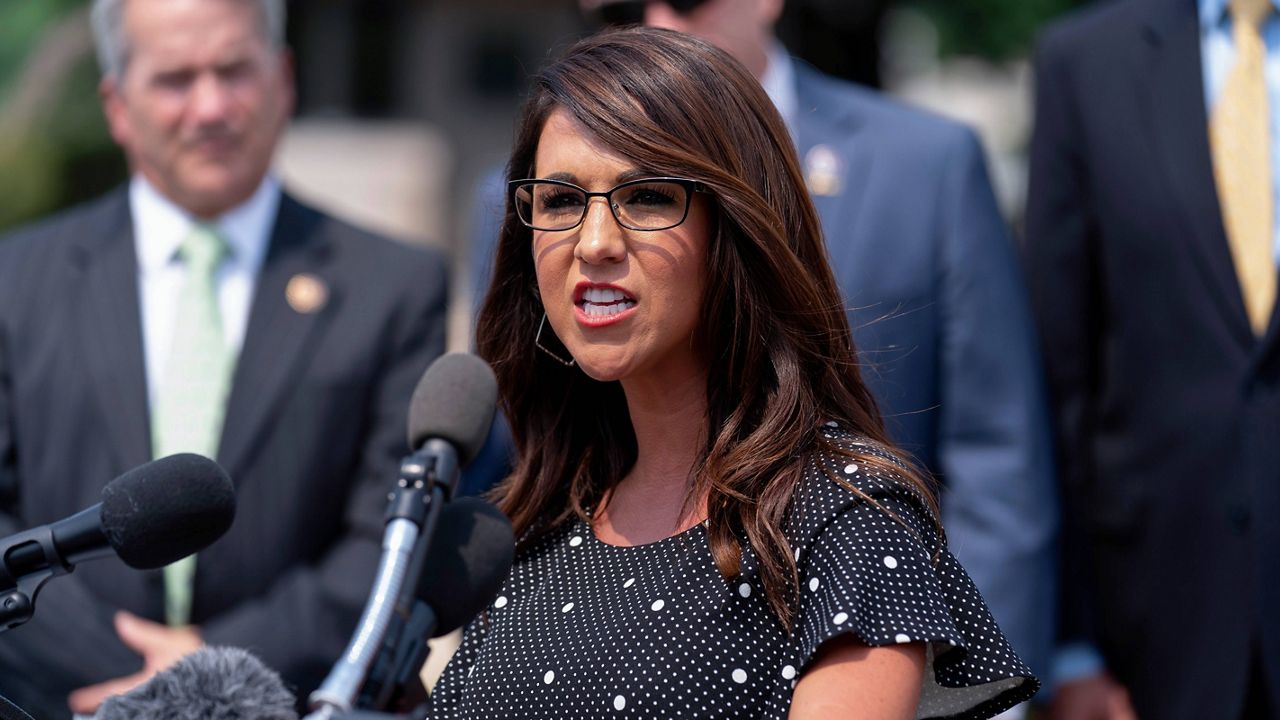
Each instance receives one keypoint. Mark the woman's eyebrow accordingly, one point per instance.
(622, 177)
(633, 174)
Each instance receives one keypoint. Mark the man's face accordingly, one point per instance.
(202, 101)
(742, 28)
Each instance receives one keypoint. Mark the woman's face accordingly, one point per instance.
(625, 303)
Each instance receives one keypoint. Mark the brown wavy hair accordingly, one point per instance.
(773, 326)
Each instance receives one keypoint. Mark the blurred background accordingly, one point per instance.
(403, 104)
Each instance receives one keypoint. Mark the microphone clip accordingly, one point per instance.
(18, 588)
(428, 475)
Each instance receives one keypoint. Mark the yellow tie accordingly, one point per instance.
(1241, 143)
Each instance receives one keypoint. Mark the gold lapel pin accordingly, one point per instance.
(306, 293)
(822, 170)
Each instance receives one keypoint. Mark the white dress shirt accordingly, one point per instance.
(159, 227)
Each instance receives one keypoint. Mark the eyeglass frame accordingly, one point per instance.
(690, 187)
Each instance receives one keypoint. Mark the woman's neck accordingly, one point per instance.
(669, 418)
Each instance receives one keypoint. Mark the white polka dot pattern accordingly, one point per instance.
(585, 629)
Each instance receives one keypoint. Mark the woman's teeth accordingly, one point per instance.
(603, 302)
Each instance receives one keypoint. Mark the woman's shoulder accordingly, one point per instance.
(848, 472)
(871, 560)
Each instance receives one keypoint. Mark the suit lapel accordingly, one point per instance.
(111, 331)
(1175, 111)
(277, 335)
(1268, 348)
(828, 141)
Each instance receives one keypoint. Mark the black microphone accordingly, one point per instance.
(470, 557)
(452, 408)
(151, 516)
(212, 683)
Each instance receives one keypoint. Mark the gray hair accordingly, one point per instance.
(113, 44)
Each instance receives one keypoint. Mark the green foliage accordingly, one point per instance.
(28, 179)
(994, 29)
(65, 156)
(22, 23)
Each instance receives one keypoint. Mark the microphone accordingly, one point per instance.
(212, 683)
(150, 516)
(449, 417)
(470, 557)
(453, 403)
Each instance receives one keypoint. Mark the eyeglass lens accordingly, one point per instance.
(655, 205)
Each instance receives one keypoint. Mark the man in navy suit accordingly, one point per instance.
(934, 293)
(311, 335)
(1163, 355)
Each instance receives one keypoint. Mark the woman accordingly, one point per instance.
(712, 520)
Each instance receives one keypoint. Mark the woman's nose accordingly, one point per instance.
(600, 239)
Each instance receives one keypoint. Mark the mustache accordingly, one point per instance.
(213, 132)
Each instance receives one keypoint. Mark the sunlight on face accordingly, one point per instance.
(626, 303)
(202, 101)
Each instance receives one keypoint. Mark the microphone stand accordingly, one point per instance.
(404, 648)
(401, 659)
(427, 480)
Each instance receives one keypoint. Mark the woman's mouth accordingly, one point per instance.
(603, 302)
(602, 305)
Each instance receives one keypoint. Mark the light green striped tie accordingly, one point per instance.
(191, 401)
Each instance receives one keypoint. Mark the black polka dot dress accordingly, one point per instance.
(582, 629)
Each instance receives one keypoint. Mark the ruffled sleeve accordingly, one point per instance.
(873, 565)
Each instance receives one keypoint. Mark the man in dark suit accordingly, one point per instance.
(1162, 350)
(292, 360)
(934, 292)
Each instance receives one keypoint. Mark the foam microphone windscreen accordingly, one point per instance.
(163, 511)
(212, 683)
(470, 556)
(454, 401)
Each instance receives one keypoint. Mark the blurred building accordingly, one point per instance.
(456, 66)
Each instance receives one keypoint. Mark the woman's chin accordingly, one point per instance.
(603, 368)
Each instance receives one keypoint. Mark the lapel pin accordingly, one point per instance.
(822, 171)
(306, 293)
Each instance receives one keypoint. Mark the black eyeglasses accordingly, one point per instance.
(647, 204)
(631, 12)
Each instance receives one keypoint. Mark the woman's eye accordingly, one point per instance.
(560, 201)
(650, 196)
